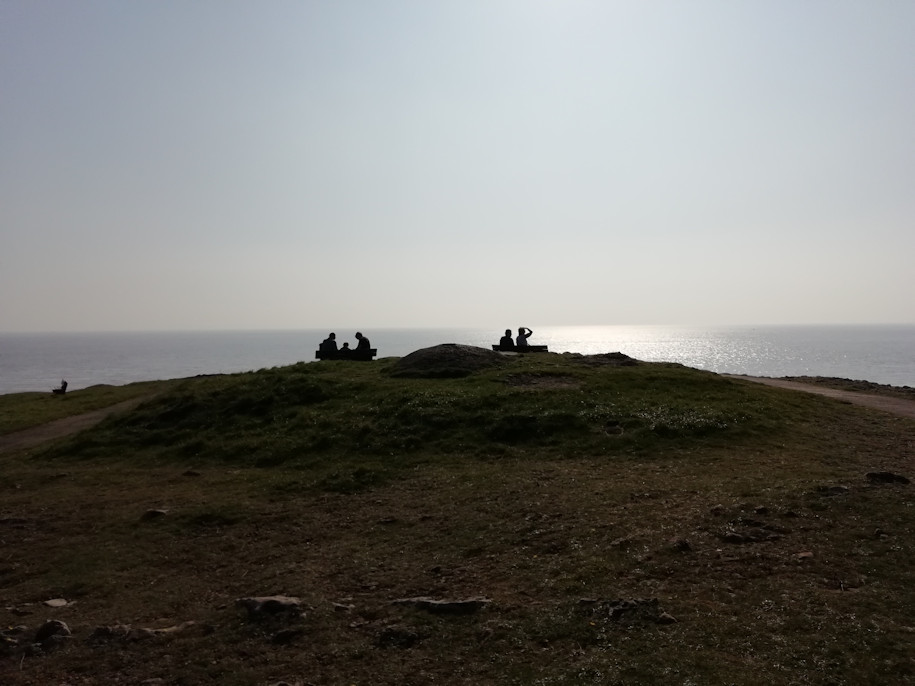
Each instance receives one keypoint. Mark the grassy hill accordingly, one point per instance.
(611, 522)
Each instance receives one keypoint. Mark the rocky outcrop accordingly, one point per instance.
(448, 360)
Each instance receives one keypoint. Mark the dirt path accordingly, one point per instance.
(59, 428)
(898, 406)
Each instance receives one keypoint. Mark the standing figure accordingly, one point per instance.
(522, 336)
(506, 340)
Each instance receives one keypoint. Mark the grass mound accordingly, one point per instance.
(395, 410)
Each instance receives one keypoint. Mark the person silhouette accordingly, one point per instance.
(363, 343)
(521, 341)
(506, 340)
(329, 344)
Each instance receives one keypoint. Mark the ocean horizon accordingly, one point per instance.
(39, 361)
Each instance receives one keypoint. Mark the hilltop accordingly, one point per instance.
(459, 517)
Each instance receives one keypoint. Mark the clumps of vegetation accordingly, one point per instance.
(393, 410)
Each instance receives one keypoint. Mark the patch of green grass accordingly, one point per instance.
(23, 410)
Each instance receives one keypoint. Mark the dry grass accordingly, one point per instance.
(779, 560)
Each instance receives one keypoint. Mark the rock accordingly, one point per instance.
(449, 360)
(886, 478)
(680, 545)
(48, 633)
(444, 607)
(190, 472)
(801, 557)
(104, 634)
(128, 634)
(275, 606)
(153, 514)
(634, 610)
(56, 602)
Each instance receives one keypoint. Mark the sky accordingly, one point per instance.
(218, 164)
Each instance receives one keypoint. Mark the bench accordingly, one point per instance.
(520, 349)
(359, 355)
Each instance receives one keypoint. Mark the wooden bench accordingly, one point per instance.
(360, 355)
(520, 349)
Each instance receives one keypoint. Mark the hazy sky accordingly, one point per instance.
(374, 163)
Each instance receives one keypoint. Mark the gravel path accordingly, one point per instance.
(898, 406)
(28, 438)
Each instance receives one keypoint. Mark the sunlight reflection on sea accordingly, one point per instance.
(37, 362)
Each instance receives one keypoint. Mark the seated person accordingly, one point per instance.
(363, 343)
(344, 351)
(506, 340)
(329, 344)
(522, 336)
(62, 389)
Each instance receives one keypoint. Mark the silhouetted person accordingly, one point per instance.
(62, 389)
(344, 351)
(522, 337)
(363, 343)
(506, 340)
(329, 344)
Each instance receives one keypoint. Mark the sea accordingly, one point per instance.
(39, 361)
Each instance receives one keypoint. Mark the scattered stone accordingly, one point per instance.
(190, 472)
(128, 634)
(19, 611)
(444, 607)
(343, 607)
(51, 633)
(680, 545)
(717, 510)
(276, 606)
(801, 557)
(761, 510)
(749, 535)
(56, 602)
(886, 478)
(632, 611)
(153, 514)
